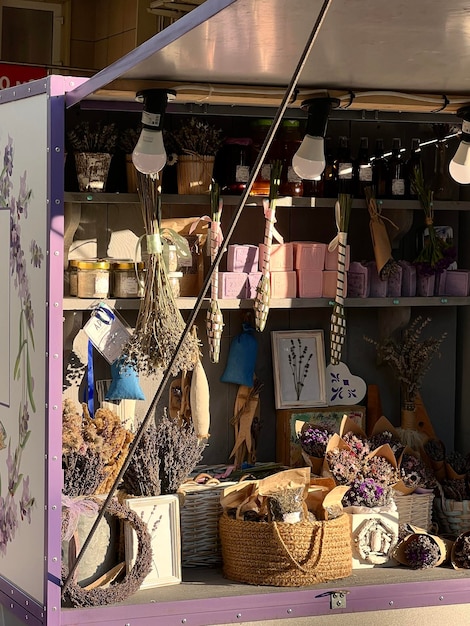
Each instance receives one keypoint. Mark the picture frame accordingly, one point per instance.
(162, 516)
(299, 368)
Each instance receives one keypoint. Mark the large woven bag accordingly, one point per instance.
(285, 555)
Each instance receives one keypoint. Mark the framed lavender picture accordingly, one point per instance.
(299, 368)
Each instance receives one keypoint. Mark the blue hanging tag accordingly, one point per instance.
(90, 381)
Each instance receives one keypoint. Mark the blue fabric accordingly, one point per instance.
(125, 383)
(240, 367)
(90, 382)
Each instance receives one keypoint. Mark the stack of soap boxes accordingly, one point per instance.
(301, 269)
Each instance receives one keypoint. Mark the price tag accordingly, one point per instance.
(107, 332)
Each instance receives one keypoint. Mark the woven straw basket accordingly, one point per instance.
(452, 516)
(285, 555)
(199, 515)
(415, 509)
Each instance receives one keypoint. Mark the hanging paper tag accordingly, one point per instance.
(107, 332)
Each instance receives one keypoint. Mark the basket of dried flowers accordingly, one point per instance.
(196, 142)
(421, 550)
(200, 510)
(460, 553)
(259, 548)
(414, 493)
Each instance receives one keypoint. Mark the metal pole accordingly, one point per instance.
(197, 306)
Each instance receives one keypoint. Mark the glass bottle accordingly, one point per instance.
(413, 163)
(442, 183)
(233, 162)
(291, 183)
(362, 168)
(396, 169)
(260, 129)
(344, 167)
(380, 170)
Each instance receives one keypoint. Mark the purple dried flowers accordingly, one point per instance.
(314, 440)
(359, 445)
(461, 555)
(378, 468)
(421, 551)
(379, 439)
(457, 461)
(367, 492)
(415, 473)
(435, 449)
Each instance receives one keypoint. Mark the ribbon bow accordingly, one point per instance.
(77, 507)
(340, 235)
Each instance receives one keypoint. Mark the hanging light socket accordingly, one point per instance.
(459, 166)
(149, 155)
(309, 160)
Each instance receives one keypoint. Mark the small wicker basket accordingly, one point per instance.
(199, 514)
(415, 509)
(452, 516)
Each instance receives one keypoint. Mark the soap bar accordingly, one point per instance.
(331, 259)
(394, 282)
(281, 259)
(309, 255)
(358, 280)
(309, 283)
(408, 279)
(251, 284)
(232, 284)
(283, 285)
(457, 283)
(378, 287)
(329, 284)
(242, 258)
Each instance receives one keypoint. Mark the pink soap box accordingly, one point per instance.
(242, 258)
(281, 259)
(309, 283)
(457, 283)
(329, 284)
(283, 284)
(252, 283)
(232, 285)
(331, 259)
(309, 255)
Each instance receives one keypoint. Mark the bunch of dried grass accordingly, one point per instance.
(159, 325)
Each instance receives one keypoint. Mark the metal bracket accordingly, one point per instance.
(338, 599)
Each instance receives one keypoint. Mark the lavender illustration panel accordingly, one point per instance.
(4, 325)
(299, 368)
(23, 191)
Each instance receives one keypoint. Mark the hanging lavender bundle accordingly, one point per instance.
(159, 323)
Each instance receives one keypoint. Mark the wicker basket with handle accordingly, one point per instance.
(415, 509)
(286, 555)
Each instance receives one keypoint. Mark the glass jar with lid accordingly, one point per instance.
(128, 279)
(260, 129)
(72, 278)
(93, 279)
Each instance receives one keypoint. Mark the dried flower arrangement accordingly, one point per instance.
(314, 439)
(435, 449)
(437, 254)
(421, 551)
(92, 449)
(368, 492)
(461, 551)
(159, 325)
(128, 139)
(457, 461)
(409, 357)
(98, 137)
(379, 439)
(415, 473)
(286, 502)
(142, 476)
(358, 444)
(196, 137)
(344, 465)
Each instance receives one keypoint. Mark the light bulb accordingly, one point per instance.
(309, 160)
(149, 156)
(459, 167)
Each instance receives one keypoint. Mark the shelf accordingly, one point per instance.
(288, 201)
(130, 304)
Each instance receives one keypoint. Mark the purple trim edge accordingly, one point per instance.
(276, 605)
(19, 603)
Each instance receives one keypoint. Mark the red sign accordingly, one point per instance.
(12, 75)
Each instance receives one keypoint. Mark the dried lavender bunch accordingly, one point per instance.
(422, 552)
(435, 449)
(83, 472)
(314, 440)
(99, 137)
(285, 501)
(195, 137)
(386, 437)
(415, 473)
(457, 461)
(128, 138)
(410, 356)
(456, 489)
(179, 452)
(462, 552)
(367, 492)
(142, 477)
(359, 445)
